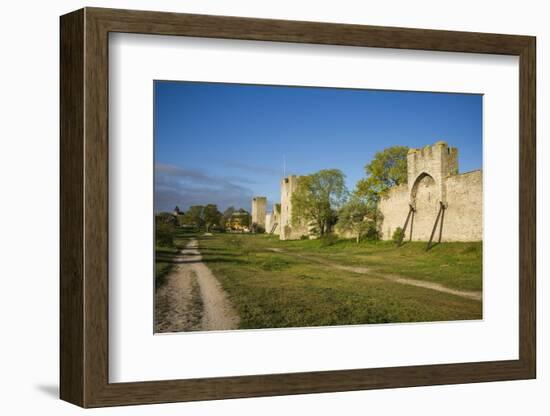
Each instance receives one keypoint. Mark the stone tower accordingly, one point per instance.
(438, 161)
(437, 203)
(259, 205)
(286, 230)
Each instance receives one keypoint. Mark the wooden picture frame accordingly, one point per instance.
(84, 207)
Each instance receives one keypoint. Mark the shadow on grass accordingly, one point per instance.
(164, 256)
(210, 252)
(216, 259)
(432, 245)
(225, 260)
(211, 249)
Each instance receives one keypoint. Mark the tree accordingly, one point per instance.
(181, 219)
(387, 169)
(164, 229)
(316, 198)
(358, 217)
(194, 216)
(165, 218)
(211, 216)
(245, 217)
(164, 235)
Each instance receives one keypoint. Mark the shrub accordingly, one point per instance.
(217, 229)
(372, 232)
(164, 235)
(398, 235)
(328, 240)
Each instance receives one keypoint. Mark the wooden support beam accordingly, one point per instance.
(411, 211)
(439, 215)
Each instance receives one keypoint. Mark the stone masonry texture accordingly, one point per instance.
(432, 180)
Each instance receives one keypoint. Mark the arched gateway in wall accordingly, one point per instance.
(424, 206)
(427, 171)
(436, 203)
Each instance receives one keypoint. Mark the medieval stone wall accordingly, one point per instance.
(394, 207)
(268, 221)
(433, 180)
(464, 213)
(433, 189)
(273, 221)
(259, 205)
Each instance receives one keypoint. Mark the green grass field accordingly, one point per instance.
(297, 287)
(456, 265)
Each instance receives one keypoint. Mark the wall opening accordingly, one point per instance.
(425, 201)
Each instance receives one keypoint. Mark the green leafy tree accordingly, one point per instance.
(165, 223)
(387, 169)
(164, 235)
(316, 198)
(181, 219)
(165, 218)
(359, 218)
(194, 216)
(211, 216)
(245, 217)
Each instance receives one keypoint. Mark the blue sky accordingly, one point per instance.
(223, 143)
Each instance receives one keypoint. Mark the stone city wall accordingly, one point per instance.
(432, 182)
(432, 179)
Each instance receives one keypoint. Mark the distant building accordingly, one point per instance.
(239, 221)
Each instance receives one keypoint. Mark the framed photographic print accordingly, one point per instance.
(256, 207)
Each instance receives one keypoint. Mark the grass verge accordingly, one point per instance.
(164, 256)
(277, 289)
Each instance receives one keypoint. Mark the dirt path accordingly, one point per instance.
(469, 294)
(218, 313)
(178, 302)
(192, 290)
